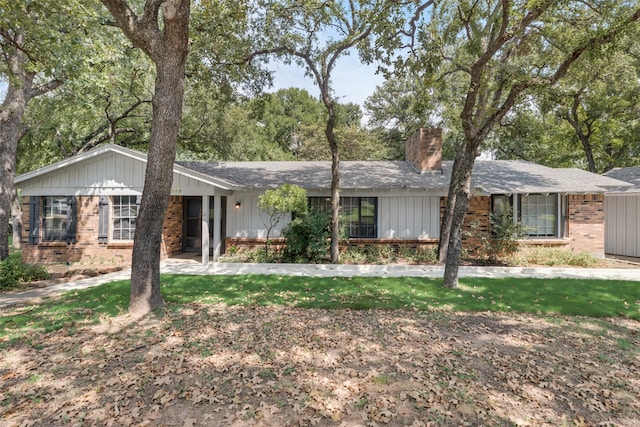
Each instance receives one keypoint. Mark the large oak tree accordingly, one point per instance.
(42, 45)
(161, 30)
(494, 52)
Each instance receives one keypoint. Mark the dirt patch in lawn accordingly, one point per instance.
(204, 365)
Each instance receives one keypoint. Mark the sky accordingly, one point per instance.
(352, 81)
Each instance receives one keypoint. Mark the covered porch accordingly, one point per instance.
(203, 227)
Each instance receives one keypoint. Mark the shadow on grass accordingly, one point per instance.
(596, 298)
(593, 298)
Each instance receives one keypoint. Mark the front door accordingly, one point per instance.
(192, 225)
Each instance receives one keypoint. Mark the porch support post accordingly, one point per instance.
(205, 230)
(217, 230)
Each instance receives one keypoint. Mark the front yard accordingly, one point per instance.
(276, 351)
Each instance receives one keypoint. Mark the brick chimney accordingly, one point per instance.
(424, 150)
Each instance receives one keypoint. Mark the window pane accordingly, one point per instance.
(54, 218)
(538, 214)
(357, 214)
(123, 223)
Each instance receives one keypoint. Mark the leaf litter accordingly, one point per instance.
(201, 365)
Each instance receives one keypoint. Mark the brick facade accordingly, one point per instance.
(585, 225)
(87, 249)
(476, 222)
(584, 232)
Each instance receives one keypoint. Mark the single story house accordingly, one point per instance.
(622, 232)
(85, 207)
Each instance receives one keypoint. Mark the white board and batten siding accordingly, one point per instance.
(247, 221)
(108, 174)
(399, 217)
(408, 217)
(622, 224)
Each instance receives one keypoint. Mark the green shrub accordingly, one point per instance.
(308, 237)
(426, 255)
(13, 271)
(380, 254)
(407, 252)
(353, 256)
(255, 255)
(551, 257)
(502, 242)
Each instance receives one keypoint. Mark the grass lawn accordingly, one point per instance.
(593, 298)
(273, 350)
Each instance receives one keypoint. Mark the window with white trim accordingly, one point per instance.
(54, 218)
(539, 213)
(123, 218)
(543, 215)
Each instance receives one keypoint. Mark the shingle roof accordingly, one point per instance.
(630, 175)
(489, 176)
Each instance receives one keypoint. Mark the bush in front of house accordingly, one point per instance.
(551, 257)
(13, 271)
(307, 238)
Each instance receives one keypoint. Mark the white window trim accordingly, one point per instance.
(112, 218)
(559, 215)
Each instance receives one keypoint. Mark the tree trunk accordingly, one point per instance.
(167, 47)
(16, 213)
(461, 185)
(168, 50)
(445, 230)
(11, 114)
(167, 115)
(335, 187)
(586, 146)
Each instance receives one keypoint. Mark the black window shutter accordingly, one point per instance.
(103, 220)
(34, 219)
(72, 217)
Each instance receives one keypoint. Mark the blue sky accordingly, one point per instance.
(352, 81)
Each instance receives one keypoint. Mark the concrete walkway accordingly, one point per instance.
(324, 270)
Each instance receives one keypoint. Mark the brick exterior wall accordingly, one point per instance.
(476, 222)
(172, 234)
(585, 226)
(86, 249)
(585, 232)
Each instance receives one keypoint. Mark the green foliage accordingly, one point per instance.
(278, 202)
(13, 271)
(372, 254)
(307, 237)
(284, 199)
(588, 120)
(536, 255)
(426, 255)
(504, 236)
(255, 255)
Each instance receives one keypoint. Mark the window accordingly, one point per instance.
(125, 211)
(539, 213)
(54, 218)
(359, 214)
(500, 202)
